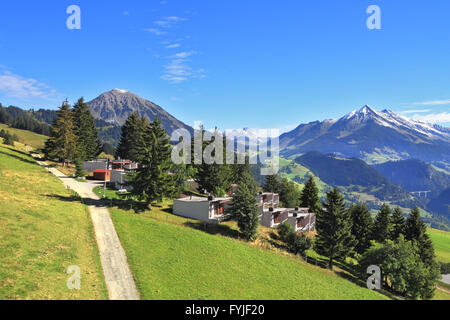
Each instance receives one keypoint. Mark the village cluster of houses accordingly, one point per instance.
(213, 210)
(209, 209)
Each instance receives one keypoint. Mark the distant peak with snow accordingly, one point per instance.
(119, 90)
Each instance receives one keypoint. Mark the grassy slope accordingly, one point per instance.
(34, 140)
(172, 261)
(42, 234)
(441, 241)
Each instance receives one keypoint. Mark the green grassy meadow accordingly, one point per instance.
(32, 139)
(171, 260)
(44, 230)
(441, 241)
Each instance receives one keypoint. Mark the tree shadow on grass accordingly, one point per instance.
(76, 198)
(17, 157)
(214, 229)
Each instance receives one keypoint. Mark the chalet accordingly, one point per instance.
(204, 209)
(273, 217)
(124, 165)
(300, 218)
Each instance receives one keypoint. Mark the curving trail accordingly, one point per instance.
(118, 277)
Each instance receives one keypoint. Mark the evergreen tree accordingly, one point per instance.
(243, 174)
(382, 226)
(310, 196)
(152, 181)
(398, 223)
(416, 231)
(215, 178)
(79, 173)
(132, 138)
(334, 225)
(62, 143)
(289, 194)
(244, 209)
(272, 184)
(8, 139)
(89, 146)
(362, 224)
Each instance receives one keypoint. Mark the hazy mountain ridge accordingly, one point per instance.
(415, 175)
(356, 176)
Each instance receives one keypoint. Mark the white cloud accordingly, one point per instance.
(173, 46)
(441, 117)
(155, 31)
(126, 13)
(178, 70)
(183, 55)
(415, 111)
(432, 103)
(16, 86)
(168, 22)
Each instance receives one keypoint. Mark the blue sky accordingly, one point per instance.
(232, 64)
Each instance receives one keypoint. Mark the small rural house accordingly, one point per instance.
(300, 218)
(204, 209)
(90, 166)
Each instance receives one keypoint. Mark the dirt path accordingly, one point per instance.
(118, 277)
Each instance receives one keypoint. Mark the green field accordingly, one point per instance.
(441, 241)
(172, 261)
(44, 230)
(32, 139)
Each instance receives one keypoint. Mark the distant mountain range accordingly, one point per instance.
(373, 136)
(357, 178)
(116, 105)
(416, 176)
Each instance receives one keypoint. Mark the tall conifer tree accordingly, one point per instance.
(310, 196)
(152, 181)
(398, 223)
(334, 225)
(89, 146)
(62, 143)
(382, 225)
(362, 224)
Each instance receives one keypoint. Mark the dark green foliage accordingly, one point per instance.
(243, 174)
(289, 194)
(284, 229)
(441, 205)
(398, 223)
(8, 138)
(402, 269)
(362, 224)
(20, 119)
(445, 268)
(298, 244)
(132, 138)
(416, 231)
(310, 196)
(272, 184)
(79, 173)
(152, 181)
(244, 209)
(108, 149)
(88, 144)
(215, 178)
(334, 225)
(62, 144)
(382, 225)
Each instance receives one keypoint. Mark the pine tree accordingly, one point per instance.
(152, 181)
(382, 226)
(310, 196)
(416, 231)
(89, 146)
(8, 139)
(244, 209)
(272, 184)
(289, 194)
(132, 137)
(79, 173)
(215, 178)
(398, 223)
(334, 225)
(62, 143)
(362, 224)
